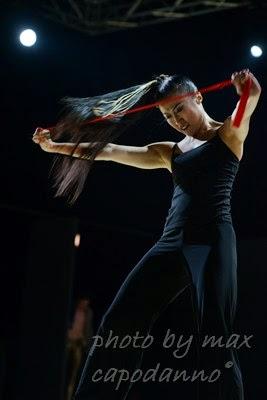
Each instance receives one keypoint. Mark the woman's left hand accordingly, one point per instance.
(239, 80)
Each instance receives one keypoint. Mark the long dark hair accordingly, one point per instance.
(69, 173)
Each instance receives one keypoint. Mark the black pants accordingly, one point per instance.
(162, 274)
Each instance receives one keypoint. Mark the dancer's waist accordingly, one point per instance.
(192, 232)
(198, 221)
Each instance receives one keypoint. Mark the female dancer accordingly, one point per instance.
(197, 249)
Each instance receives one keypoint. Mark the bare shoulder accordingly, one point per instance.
(166, 150)
(240, 132)
(231, 137)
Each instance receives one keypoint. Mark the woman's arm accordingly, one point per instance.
(151, 156)
(239, 80)
(43, 138)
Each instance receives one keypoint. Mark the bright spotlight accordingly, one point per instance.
(27, 37)
(256, 51)
(77, 240)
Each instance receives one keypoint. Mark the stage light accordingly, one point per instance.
(77, 240)
(27, 37)
(256, 51)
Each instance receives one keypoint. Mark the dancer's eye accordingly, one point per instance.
(178, 109)
(167, 118)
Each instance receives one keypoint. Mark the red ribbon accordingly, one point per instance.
(217, 86)
(242, 103)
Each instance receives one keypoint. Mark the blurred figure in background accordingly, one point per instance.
(77, 342)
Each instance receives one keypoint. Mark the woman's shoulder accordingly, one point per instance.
(228, 137)
(167, 150)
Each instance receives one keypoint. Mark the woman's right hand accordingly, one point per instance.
(42, 137)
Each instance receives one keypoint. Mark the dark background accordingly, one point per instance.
(122, 209)
(67, 62)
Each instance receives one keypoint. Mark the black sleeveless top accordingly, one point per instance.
(203, 178)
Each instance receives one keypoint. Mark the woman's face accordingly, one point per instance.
(186, 116)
